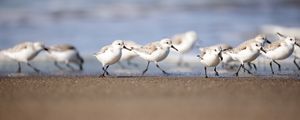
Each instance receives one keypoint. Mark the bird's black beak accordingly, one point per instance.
(174, 48)
(297, 44)
(199, 57)
(263, 50)
(46, 49)
(268, 41)
(220, 55)
(281, 35)
(126, 48)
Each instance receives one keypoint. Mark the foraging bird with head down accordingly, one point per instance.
(67, 54)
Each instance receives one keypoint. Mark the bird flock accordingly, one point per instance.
(155, 52)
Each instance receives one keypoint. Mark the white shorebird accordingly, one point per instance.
(280, 49)
(129, 55)
(245, 54)
(24, 52)
(225, 57)
(227, 62)
(184, 43)
(210, 57)
(260, 39)
(66, 54)
(296, 54)
(110, 54)
(155, 52)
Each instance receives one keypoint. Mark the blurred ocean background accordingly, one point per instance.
(91, 24)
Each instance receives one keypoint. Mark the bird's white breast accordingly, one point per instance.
(158, 55)
(210, 60)
(110, 56)
(280, 53)
(246, 55)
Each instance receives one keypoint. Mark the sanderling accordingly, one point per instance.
(260, 39)
(296, 54)
(184, 43)
(110, 54)
(210, 57)
(244, 54)
(129, 55)
(227, 62)
(25, 52)
(67, 54)
(155, 52)
(280, 49)
(226, 58)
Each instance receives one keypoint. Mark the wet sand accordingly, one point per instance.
(149, 98)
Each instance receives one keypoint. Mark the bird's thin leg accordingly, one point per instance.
(205, 72)
(249, 65)
(237, 72)
(103, 74)
(106, 70)
(246, 69)
(271, 68)
(161, 69)
(146, 68)
(19, 68)
(80, 67)
(35, 69)
(217, 74)
(254, 65)
(279, 67)
(295, 62)
(56, 64)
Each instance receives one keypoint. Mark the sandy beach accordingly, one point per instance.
(148, 98)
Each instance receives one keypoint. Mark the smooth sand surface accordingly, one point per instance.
(149, 98)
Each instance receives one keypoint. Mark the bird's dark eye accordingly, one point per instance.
(216, 50)
(167, 42)
(257, 45)
(291, 39)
